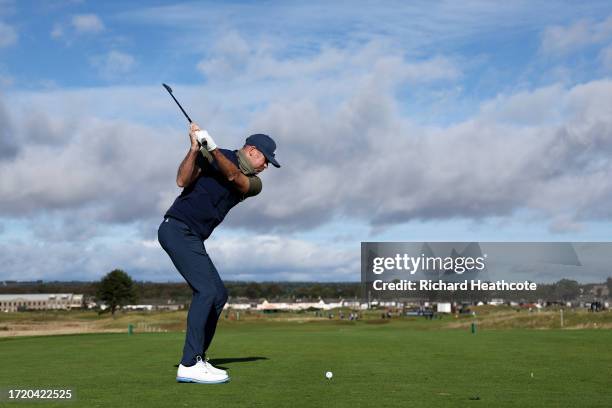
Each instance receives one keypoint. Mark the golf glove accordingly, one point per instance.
(206, 140)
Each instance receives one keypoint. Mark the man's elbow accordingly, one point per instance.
(242, 186)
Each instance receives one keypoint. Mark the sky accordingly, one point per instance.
(395, 121)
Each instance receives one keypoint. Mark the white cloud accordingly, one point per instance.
(8, 35)
(536, 107)
(113, 64)
(435, 27)
(87, 23)
(82, 162)
(559, 40)
(278, 257)
(275, 258)
(59, 260)
(349, 151)
(363, 161)
(235, 58)
(78, 25)
(524, 151)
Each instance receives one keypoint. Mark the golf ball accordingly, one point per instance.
(329, 375)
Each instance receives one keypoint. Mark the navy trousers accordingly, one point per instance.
(189, 256)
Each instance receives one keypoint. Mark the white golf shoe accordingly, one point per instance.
(200, 373)
(213, 368)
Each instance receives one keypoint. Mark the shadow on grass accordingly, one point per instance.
(217, 362)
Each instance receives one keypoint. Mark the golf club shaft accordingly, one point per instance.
(177, 102)
(203, 143)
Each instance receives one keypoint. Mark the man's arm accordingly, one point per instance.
(232, 172)
(189, 171)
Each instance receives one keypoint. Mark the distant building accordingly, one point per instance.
(444, 307)
(150, 307)
(356, 304)
(239, 306)
(290, 305)
(144, 308)
(171, 307)
(40, 301)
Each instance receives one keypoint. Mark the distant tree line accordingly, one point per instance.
(294, 290)
(151, 292)
(147, 292)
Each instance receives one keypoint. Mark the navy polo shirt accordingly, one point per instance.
(205, 202)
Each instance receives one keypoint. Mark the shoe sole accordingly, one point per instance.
(193, 380)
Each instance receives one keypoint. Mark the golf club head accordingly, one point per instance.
(167, 88)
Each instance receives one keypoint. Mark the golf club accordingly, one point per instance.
(179, 105)
(177, 102)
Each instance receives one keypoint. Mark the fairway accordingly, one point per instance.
(276, 364)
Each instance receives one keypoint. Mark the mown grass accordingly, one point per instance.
(282, 364)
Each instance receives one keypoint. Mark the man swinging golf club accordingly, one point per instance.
(213, 180)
